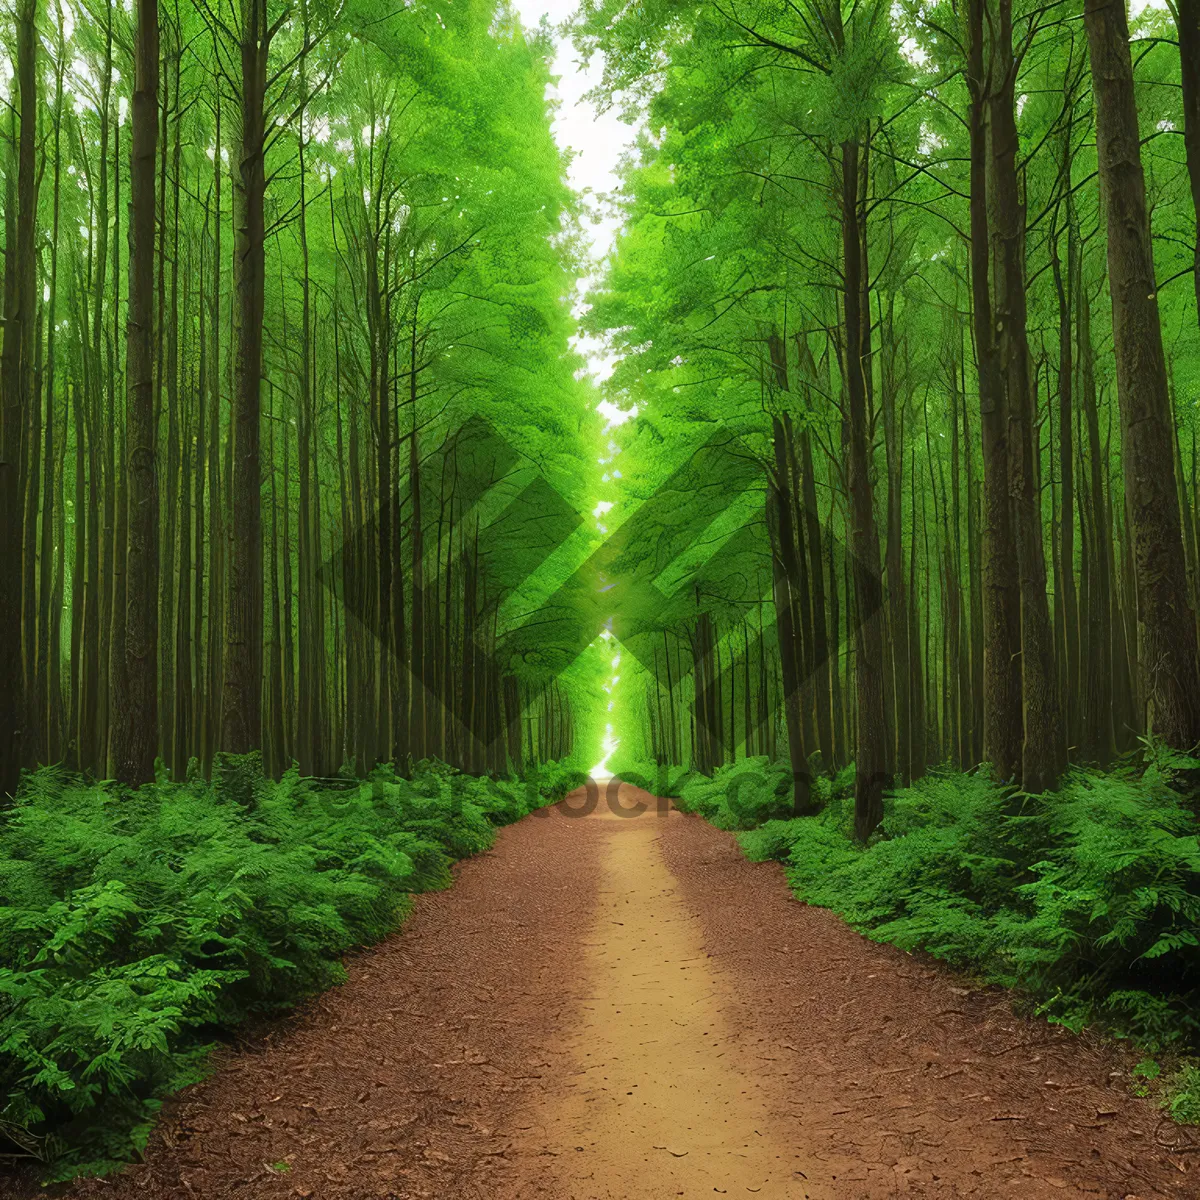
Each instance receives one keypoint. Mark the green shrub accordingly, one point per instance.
(1088, 898)
(747, 794)
(1183, 1098)
(137, 925)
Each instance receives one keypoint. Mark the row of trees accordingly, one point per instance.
(273, 274)
(918, 263)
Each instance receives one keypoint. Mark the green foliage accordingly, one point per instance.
(137, 925)
(1087, 899)
(1144, 1074)
(744, 795)
(1183, 1100)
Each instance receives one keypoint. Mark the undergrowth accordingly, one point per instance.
(1086, 899)
(136, 926)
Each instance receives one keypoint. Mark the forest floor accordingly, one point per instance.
(625, 1008)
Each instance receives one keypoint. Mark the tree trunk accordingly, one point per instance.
(1187, 22)
(954, 620)
(784, 570)
(1066, 466)
(816, 575)
(870, 744)
(16, 377)
(1002, 732)
(916, 687)
(417, 690)
(893, 555)
(1168, 649)
(45, 702)
(138, 737)
(1042, 748)
(243, 651)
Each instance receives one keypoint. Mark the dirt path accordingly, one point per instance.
(656, 1104)
(625, 1008)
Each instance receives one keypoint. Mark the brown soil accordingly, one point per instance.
(660, 1102)
(626, 1008)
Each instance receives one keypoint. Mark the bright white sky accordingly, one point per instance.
(595, 140)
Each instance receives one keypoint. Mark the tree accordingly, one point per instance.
(1168, 651)
(16, 383)
(1043, 748)
(476, 222)
(1187, 24)
(138, 735)
(242, 673)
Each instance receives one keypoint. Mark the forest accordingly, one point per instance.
(327, 550)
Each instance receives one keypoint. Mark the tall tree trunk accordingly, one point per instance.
(418, 691)
(172, 692)
(1168, 649)
(893, 434)
(1098, 671)
(287, 635)
(802, 593)
(1043, 746)
(816, 575)
(975, 574)
(198, 734)
(1187, 22)
(216, 489)
(46, 700)
(955, 666)
(138, 740)
(916, 688)
(31, 472)
(1002, 732)
(870, 744)
(1066, 465)
(784, 570)
(185, 683)
(16, 378)
(274, 738)
(110, 552)
(243, 658)
(311, 749)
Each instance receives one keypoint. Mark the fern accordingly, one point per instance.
(137, 925)
(1088, 899)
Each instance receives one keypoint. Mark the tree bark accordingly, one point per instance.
(1042, 746)
(784, 570)
(1066, 465)
(16, 374)
(1002, 732)
(243, 651)
(1187, 22)
(138, 730)
(1168, 649)
(870, 747)
(816, 575)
